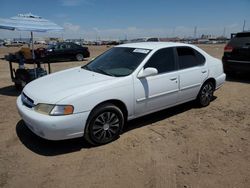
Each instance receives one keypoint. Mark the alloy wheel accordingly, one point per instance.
(105, 126)
(206, 94)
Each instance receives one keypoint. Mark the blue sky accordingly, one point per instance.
(118, 19)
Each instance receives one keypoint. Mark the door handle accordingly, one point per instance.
(173, 79)
(204, 71)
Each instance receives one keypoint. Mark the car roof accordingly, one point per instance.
(153, 45)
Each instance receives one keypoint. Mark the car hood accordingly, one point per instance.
(57, 86)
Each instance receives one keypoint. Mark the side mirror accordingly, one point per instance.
(150, 71)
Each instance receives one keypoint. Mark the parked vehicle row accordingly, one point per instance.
(125, 82)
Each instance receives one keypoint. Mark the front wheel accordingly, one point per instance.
(104, 124)
(206, 94)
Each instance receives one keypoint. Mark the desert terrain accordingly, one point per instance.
(181, 147)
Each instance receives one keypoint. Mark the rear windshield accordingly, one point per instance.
(240, 35)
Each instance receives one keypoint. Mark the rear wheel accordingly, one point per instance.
(104, 125)
(79, 57)
(206, 94)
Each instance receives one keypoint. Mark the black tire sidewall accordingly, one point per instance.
(99, 110)
(79, 55)
(199, 96)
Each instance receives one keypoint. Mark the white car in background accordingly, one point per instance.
(125, 82)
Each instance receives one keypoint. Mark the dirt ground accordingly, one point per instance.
(181, 147)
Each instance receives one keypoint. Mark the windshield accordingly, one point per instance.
(118, 61)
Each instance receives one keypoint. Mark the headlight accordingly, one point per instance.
(54, 110)
(44, 108)
(62, 110)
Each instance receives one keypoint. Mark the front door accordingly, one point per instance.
(159, 91)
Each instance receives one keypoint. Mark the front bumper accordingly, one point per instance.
(53, 127)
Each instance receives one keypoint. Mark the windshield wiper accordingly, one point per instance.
(103, 72)
(98, 70)
(86, 68)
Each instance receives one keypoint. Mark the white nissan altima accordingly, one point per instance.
(125, 82)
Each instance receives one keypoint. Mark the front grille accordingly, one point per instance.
(27, 101)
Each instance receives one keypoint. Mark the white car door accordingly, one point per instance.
(192, 73)
(159, 91)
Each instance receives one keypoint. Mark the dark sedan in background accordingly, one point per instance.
(66, 50)
(236, 58)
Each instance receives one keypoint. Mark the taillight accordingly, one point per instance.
(228, 48)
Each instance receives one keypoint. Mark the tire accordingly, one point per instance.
(104, 124)
(206, 94)
(79, 57)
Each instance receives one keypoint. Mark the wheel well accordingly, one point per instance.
(117, 103)
(211, 80)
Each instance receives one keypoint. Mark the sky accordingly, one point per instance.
(128, 19)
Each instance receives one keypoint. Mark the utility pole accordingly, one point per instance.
(244, 24)
(195, 32)
(224, 32)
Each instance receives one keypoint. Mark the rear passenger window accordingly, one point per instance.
(188, 57)
(163, 60)
(200, 58)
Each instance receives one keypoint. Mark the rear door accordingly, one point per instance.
(192, 72)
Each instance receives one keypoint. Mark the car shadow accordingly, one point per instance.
(9, 91)
(47, 147)
(160, 115)
(52, 148)
(243, 78)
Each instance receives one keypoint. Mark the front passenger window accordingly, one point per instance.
(163, 60)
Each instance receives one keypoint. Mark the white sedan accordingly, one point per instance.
(125, 82)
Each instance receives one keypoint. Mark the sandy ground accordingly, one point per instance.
(181, 147)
